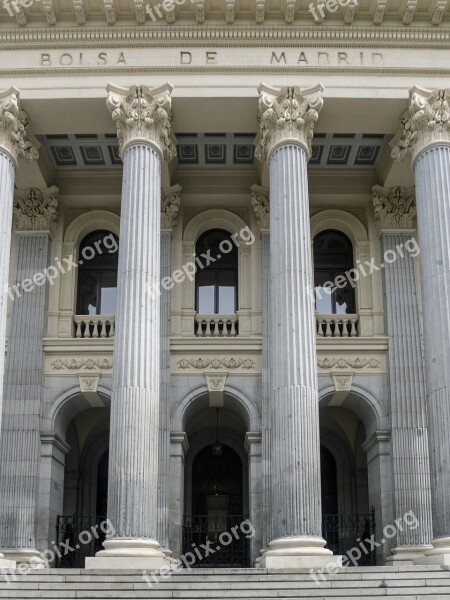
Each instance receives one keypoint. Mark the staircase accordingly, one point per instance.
(405, 583)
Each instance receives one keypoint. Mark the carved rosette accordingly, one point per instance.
(142, 114)
(170, 206)
(13, 127)
(426, 122)
(395, 208)
(35, 210)
(286, 116)
(260, 202)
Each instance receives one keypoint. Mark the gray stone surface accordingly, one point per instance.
(20, 442)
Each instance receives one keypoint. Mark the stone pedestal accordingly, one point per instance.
(426, 137)
(13, 145)
(287, 119)
(143, 120)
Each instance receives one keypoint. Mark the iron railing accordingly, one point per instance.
(222, 534)
(77, 538)
(345, 532)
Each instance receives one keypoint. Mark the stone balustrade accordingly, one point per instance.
(99, 326)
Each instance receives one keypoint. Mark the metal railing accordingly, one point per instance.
(201, 529)
(342, 533)
(101, 326)
(68, 530)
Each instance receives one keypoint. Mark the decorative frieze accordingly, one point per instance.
(260, 203)
(142, 114)
(216, 363)
(395, 208)
(425, 122)
(348, 362)
(170, 206)
(35, 210)
(13, 127)
(79, 364)
(286, 115)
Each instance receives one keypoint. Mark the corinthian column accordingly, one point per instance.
(395, 212)
(143, 118)
(287, 120)
(13, 145)
(425, 137)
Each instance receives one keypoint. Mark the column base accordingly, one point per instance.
(26, 557)
(406, 555)
(299, 553)
(135, 553)
(439, 554)
(6, 564)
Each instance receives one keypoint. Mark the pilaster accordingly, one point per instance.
(395, 213)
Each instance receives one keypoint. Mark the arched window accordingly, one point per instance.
(97, 274)
(216, 284)
(333, 257)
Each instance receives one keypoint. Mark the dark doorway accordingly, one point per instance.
(328, 472)
(102, 485)
(217, 509)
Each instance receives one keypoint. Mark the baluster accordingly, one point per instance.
(208, 329)
(103, 325)
(78, 333)
(233, 327)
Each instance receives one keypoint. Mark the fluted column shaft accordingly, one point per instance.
(410, 457)
(20, 444)
(432, 174)
(132, 499)
(296, 504)
(7, 175)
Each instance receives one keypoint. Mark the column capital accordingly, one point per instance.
(13, 127)
(425, 123)
(143, 114)
(286, 115)
(34, 209)
(260, 203)
(170, 206)
(395, 208)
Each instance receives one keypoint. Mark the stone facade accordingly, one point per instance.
(327, 407)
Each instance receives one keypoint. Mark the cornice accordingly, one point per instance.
(237, 35)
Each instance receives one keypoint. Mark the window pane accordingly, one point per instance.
(227, 293)
(205, 291)
(109, 293)
(87, 293)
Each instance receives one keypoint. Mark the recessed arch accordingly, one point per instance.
(91, 221)
(234, 400)
(212, 219)
(340, 220)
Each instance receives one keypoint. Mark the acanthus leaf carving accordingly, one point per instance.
(286, 115)
(170, 206)
(90, 364)
(260, 203)
(142, 114)
(425, 122)
(13, 127)
(35, 210)
(395, 208)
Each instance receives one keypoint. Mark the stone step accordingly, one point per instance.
(370, 583)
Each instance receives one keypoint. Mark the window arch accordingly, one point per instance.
(333, 257)
(216, 284)
(97, 274)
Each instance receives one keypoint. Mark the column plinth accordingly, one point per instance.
(13, 145)
(143, 121)
(287, 118)
(426, 137)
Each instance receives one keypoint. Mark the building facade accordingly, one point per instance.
(271, 343)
